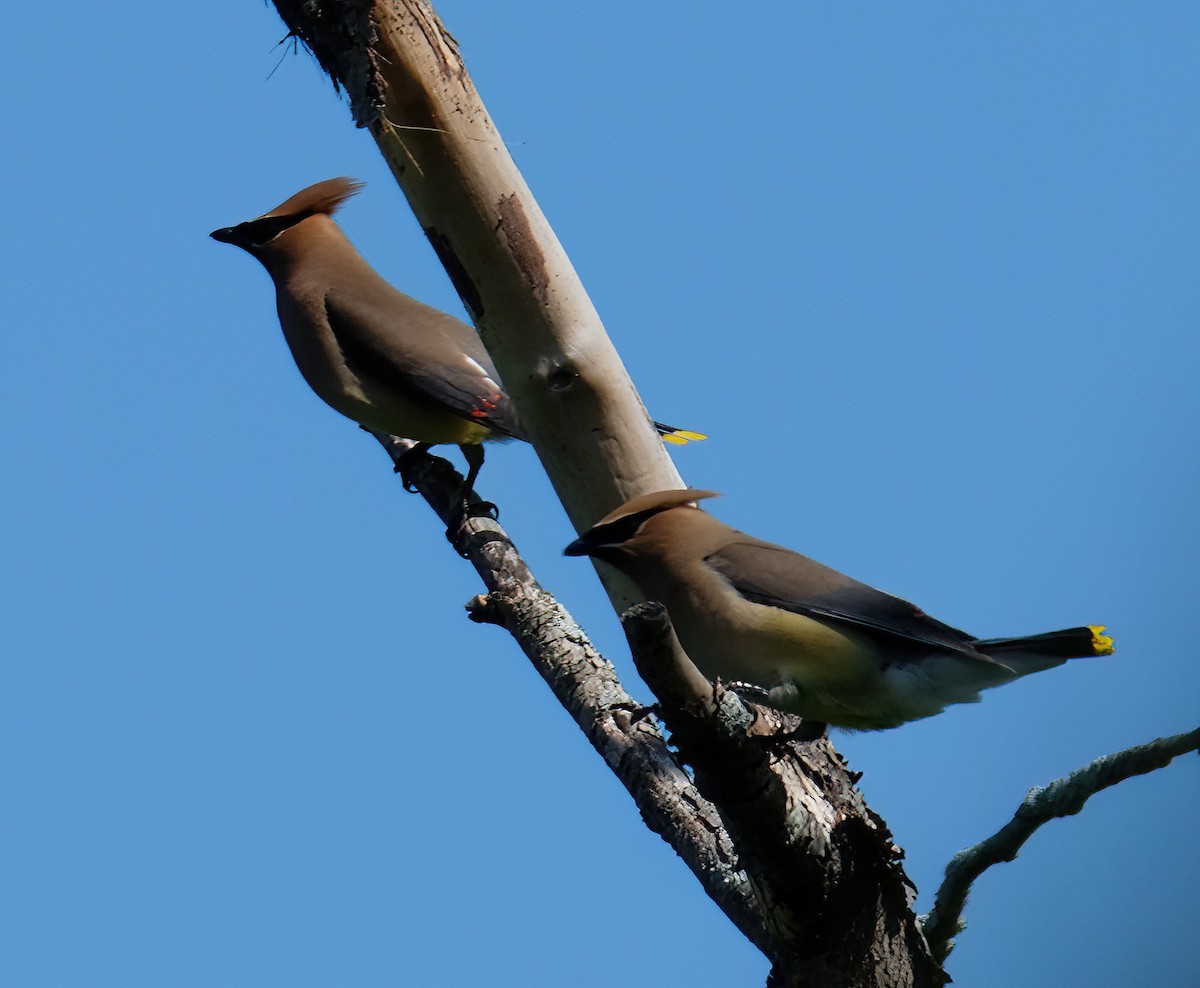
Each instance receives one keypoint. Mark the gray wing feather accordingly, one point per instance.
(778, 577)
(418, 350)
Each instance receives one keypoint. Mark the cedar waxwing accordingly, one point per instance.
(805, 637)
(379, 357)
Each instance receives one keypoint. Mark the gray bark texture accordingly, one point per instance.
(773, 827)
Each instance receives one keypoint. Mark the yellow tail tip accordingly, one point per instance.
(682, 436)
(1102, 644)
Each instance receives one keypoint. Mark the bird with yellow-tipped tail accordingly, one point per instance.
(800, 636)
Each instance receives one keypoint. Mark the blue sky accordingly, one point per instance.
(926, 274)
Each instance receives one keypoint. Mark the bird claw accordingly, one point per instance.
(403, 468)
(452, 538)
(406, 462)
(482, 509)
(638, 714)
(807, 731)
(458, 514)
(463, 510)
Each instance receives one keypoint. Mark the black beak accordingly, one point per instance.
(225, 234)
(579, 547)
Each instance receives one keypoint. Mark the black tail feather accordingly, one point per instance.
(1070, 643)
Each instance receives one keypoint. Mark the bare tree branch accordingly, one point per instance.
(822, 864)
(1061, 798)
(409, 87)
(794, 814)
(622, 732)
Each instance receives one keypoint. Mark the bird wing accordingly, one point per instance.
(418, 350)
(778, 577)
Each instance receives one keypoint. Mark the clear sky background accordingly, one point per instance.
(927, 275)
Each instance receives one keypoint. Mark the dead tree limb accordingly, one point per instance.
(626, 736)
(1062, 797)
(800, 815)
(408, 86)
(823, 866)
(810, 875)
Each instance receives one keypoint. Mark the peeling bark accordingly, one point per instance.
(775, 830)
(598, 447)
(822, 864)
(625, 735)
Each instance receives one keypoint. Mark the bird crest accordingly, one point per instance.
(324, 197)
(648, 504)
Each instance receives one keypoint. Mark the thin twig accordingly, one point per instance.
(1063, 797)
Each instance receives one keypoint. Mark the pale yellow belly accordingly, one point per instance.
(823, 672)
(765, 643)
(397, 415)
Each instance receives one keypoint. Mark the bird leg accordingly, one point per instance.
(407, 461)
(808, 730)
(467, 504)
(473, 454)
(638, 714)
(771, 732)
(772, 729)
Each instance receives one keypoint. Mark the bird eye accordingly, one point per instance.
(623, 529)
(260, 232)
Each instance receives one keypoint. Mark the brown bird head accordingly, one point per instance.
(254, 235)
(607, 538)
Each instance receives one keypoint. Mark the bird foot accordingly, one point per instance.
(481, 509)
(454, 526)
(638, 714)
(403, 469)
(808, 730)
(406, 463)
(463, 510)
(452, 538)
